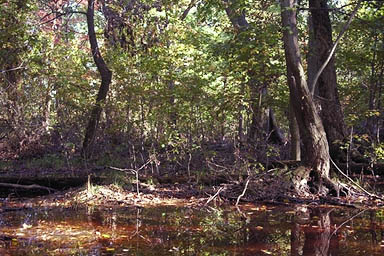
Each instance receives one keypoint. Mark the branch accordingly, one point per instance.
(242, 194)
(353, 182)
(76, 12)
(59, 14)
(133, 171)
(346, 26)
(136, 172)
(190, 6)
(329, 9)
(215, 195)
(12, 69)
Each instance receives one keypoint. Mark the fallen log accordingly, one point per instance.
(32, 186)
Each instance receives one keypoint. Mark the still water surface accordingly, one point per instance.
(178, 230)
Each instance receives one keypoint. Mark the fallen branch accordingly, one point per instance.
(242, 194)
(353, 182)
(33, 186)
(215, 195)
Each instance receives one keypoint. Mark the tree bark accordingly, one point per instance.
(106, 77)
(320, 44)
(295, 135)
(315, 155)
(256, 95)
(275, 134)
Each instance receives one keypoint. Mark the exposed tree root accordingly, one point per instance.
(296, 186)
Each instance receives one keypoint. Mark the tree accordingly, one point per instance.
(106, 78)
(23, 100)
(257, 86)
(13, 46)
(326, 92)
(361, 65)
(315, 155)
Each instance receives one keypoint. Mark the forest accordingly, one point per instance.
(203, 92)
(191, 127)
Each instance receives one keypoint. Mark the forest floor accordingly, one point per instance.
(209, 177)
(267, 188)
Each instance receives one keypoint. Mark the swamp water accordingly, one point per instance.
(181, 230)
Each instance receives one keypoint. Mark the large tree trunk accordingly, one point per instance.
(106, 77)
(320, 44)
(315, 154)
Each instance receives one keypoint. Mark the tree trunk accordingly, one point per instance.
(106, 77)
(275, 134)
(172, 103)
(315, 155)
(320, 44)
(295, 135)
(255, 106)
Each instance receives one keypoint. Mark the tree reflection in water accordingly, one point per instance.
(311, 233)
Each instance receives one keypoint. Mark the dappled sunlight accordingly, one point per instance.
(191, 127)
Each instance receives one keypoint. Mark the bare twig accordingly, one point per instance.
(189, 164)
(217, 165)
(133, 171)
(242, 213)
(349, 149)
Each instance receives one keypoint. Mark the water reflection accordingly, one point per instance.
(168, 230)
(312, 233)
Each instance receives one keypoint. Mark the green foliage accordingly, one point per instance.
(360, 64)
(177, 83)
(380, 214)
(379, 152)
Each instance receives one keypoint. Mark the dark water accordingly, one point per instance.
(172, 230)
